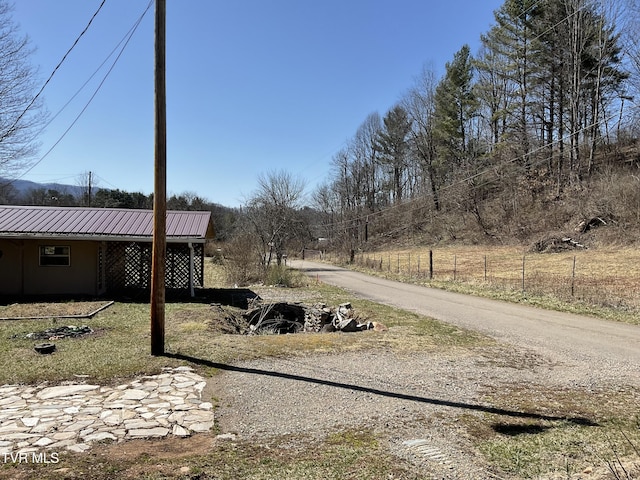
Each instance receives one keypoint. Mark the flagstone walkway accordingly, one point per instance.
(73, 417)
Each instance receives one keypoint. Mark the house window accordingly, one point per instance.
(55, 256)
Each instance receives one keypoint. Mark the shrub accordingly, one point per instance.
(241, 267)
(283, 276)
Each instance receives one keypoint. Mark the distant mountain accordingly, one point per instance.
(24, 186)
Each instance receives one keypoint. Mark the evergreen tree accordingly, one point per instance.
(513, 40)
(392, 143)
(455, 106)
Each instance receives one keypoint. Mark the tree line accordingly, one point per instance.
(545, 103)
(224, 218)
(527, 123)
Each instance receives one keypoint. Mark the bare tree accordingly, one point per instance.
(274, 213)
(365, 155)
(419, 103)
(8, 194)
(630, 28)
(21, 114)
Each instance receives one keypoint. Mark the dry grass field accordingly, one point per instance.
(605, 280)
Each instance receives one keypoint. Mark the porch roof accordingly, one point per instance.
(86, 223)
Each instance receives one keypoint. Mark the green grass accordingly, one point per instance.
(120, 346)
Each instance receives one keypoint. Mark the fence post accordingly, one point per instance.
(409, 266)
(523, 270)
(398, 263)
(455, 267)
(430, 264)
(418, 264)
(573, 277)
(485, 268)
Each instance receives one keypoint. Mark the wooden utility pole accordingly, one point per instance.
(160, 188)
(89, 199)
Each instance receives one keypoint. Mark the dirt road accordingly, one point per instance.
(598, 348)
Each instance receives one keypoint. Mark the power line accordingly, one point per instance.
(24, 112)
(113, 51)
(128, 38)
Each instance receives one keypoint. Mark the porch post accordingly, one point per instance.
(191, 268)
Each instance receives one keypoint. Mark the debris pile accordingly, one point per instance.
(283, 318)
(60, 332)
(554, 244)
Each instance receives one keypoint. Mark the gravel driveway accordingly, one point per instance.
(612, 348)
(413, 401)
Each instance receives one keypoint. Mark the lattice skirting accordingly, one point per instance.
(127, 265)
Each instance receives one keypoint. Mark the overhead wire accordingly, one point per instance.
(98, 177)
(57, 67)
(127, 38)
(95, 72)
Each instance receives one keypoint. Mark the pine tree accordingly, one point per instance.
(513, 41)
(455, 107)
(393, 146)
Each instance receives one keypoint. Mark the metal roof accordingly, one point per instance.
(89, 223)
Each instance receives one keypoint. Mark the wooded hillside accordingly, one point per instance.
(534, 134)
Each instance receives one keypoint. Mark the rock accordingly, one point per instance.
(184, 368)
(30, 421)
(149, 432)
(64, 391)
(113, 419)
(99, 437)
(179, 431)
(134, 394)
(60, 436)
(43, 442)
(78, 447)
(201, 427)
(138, 424)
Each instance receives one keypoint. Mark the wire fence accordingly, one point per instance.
(568, 277)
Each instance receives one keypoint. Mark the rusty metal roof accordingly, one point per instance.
(85, 223)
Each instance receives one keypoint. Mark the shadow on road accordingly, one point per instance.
(374, 391)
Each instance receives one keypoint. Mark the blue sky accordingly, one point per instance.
(252, 85)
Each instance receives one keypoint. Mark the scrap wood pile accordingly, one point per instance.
(57, 333)
(283, 318)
